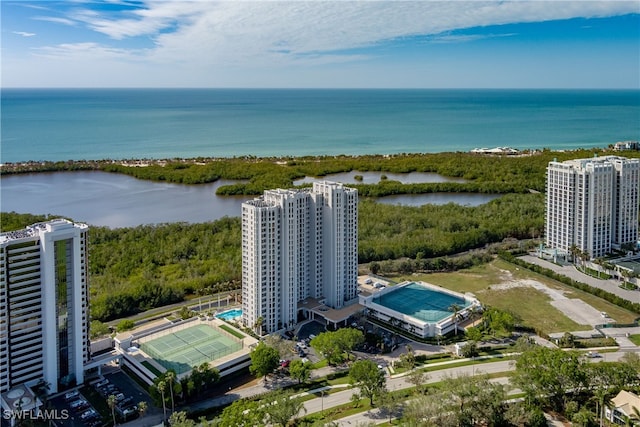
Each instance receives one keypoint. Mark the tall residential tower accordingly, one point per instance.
(298, 244)
(44, 313)
(592, 204)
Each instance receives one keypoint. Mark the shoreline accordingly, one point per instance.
(31, 166)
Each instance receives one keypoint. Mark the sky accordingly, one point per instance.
(320, 44)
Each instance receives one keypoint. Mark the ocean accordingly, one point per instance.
(77, 124)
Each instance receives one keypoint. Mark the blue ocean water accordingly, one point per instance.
(75, 124)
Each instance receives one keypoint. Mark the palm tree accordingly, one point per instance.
(42, 391)
(170, 376)
(632, 419)
(142, 408)
(111, 401)
(601, 396)
(455, 308)
(162, 386)
(574, 251)
(199, 292)
(475, 312)
(258, 325)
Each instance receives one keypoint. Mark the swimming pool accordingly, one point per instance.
(230, 314)
(421, 302)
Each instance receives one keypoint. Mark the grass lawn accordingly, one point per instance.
(152, 368)
(635, 339)
(320, 364)
(532, 306)
(232, 331)
(628, 286)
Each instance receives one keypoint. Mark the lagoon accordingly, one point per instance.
(114, 200)
(464, 199)
(376, 177)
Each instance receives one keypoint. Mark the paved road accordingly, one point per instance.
(319, 404)
(610, 285)
(340, 398)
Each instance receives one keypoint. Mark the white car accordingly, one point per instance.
(71, 395)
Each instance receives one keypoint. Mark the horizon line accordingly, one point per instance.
(310, 88)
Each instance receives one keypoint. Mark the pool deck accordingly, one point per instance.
(409, 322)
(419, 310)
(224, 315)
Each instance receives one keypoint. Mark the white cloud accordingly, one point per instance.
(245, 41)
(55, 20)
(260, 32)
(87, 51)
(24, 33)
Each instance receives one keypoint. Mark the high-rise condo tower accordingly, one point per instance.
(44, 312)
(592, 204)
(298, 244)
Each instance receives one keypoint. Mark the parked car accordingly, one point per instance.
(89, 413)
(71, 395)
(110, 389)
(81, 408)
(102, 383)
(77, 404)
(125, 402)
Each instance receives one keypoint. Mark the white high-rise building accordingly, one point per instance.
(44, 311)
(298, 244)
(592, 204)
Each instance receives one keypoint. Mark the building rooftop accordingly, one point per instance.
(20, 397)
(625, 401)
(35, 229)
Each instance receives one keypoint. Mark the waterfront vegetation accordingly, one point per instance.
(486, 174)
(137, 268)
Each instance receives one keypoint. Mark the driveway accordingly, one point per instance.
(610, 285)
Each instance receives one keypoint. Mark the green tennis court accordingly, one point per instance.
(184, 349)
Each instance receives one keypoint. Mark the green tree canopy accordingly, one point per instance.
(125, 325)
(264, 360)
(299, 370)
(498, 322)
(243, 413)
(547, 375)
(179, 419)
(334, 344)
(281, 407)
(366, 375)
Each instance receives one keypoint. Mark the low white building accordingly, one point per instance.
(420, 308)
(625, 405)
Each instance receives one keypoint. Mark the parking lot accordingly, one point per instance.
(81, 412)
(87, 406)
